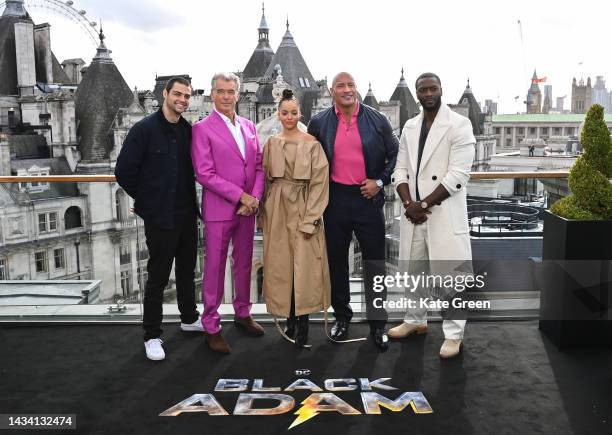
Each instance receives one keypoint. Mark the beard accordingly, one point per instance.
(435, 107)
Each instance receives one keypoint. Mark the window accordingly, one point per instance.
(532, 130)
(557, 131)
(120, 208)
(58, 256)
(143, 252)
(508, 142)
(569, 131)
(125, 253)
(544, 130)
(497, 130)
(307, 82)
(126, 282)
(521, 130)
(3, 270)
(302, 84)
(34, 186)
(143, 276)
(52, 221)
(525, 187)
(47, 222)
(42, 222)
(72, 218)
(40, 258)
(508, 130)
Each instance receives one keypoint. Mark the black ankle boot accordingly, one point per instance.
(290, 327)
(301, 337)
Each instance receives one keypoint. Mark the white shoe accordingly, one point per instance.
(193, 327)
(450, 348)
(154, 349)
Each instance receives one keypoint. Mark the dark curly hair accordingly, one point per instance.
(288, 95)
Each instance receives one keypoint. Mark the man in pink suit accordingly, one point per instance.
(227, 159)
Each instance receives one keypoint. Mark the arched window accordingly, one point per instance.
(120, 206)
(72, 218)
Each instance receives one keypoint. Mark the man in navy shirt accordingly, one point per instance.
(154, 167)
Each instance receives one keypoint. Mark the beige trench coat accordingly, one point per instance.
(297, 190)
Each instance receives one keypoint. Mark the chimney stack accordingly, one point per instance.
(42, 44)
(24, 53)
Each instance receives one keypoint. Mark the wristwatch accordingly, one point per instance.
(424, 205)
(380, 184)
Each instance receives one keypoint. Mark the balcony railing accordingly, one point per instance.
(40, 275)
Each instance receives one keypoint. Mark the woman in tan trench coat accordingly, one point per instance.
(296, 274)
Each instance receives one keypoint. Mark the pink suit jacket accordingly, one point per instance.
(221, 169)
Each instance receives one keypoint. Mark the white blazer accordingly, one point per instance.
(447, 159)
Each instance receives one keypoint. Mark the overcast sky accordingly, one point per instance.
(373, 40)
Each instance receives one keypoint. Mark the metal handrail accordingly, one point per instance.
(111, 178)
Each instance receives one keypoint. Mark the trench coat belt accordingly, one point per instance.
(297, 189)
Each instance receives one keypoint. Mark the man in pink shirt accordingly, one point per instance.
(361, 149)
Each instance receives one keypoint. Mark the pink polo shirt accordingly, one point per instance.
(348, 166)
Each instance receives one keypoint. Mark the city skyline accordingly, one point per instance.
(557, 41)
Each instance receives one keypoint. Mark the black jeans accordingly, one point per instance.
(166, 246)
(348, 211)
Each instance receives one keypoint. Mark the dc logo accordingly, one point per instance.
(302, 372)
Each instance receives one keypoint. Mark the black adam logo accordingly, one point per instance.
(320, 400)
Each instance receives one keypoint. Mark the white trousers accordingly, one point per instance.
(419, 256)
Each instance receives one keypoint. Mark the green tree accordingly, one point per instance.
(591, 197)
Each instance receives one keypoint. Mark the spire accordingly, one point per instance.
(468, 90)
(370, 99)
(102, 53)
(263, 53)
(263, 25)
(474, 110)
(402, 82)
(99, 96)
(135, 107)
(263, 30)
(287, 38)
(408, 105)
(534, 95)
(14, 8)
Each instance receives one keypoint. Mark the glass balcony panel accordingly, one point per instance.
(72, 258)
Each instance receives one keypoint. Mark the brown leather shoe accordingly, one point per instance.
(251, 326)
(218, 343)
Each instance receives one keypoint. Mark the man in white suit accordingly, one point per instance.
(433, 167)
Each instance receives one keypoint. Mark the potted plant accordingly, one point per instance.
(577, 248)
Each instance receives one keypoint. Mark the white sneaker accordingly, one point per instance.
(193, 327)
(154, 349)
